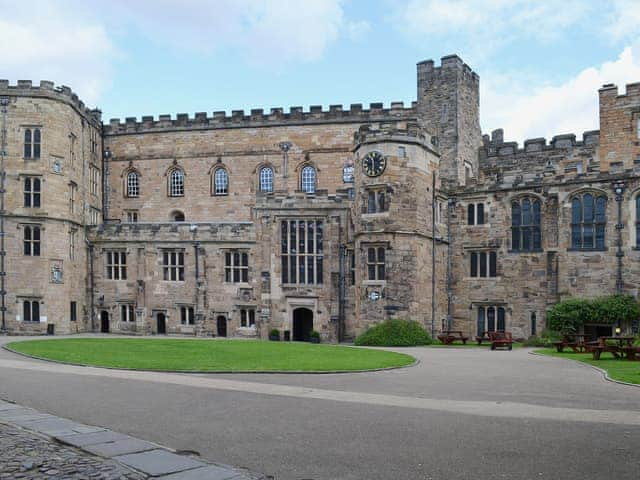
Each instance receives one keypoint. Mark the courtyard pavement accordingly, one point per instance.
(458, 414)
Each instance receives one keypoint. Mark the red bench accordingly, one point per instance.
(449, 336)
(501, 340)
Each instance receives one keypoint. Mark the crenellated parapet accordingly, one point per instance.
(396, 132)
(47, 89)
(495, 146)
(356, 113)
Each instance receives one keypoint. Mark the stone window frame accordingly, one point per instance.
(526, 231)
(291, 265)
(490, 263)
(32, 142)
(187, 314)
(376, 263)
(127, 312)
(94, 179)
(73, 311)
(236, 266)
(482, 315)
(73, 192)
(31, 246)
(94, 215)
(115, 264)
(475, 210)
(578, 224)
(220, 182)
(131, 187)
(308, 179)
(176, 182)
(173, 264)
(376, 200)
(247, 317)
(132, 216)
(72, 148)
(266, 180)
(30, 193)
(31, 302)
(73, 237)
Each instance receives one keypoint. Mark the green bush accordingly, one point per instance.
(545, 339)
(569, 315)
(314, 334)
(395, 333)
(274, 334)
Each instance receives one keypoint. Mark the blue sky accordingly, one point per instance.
(540, 63)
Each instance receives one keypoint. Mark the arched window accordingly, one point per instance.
(525, 225)
(266, 179)
(133, 185)
(308, 179)
(177, 216)
(220, 182)
(588, 222)
(176, 183)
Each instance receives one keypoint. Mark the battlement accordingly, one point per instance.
(401, 132)
(610, 91)
(495, 146)
(47, 89)
(450, 64)
(258, 117)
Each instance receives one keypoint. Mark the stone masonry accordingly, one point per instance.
(232, 225)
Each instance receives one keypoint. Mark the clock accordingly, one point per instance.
(374, 163)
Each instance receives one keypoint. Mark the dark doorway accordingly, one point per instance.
(595, 331)
(104, 322)
(161, 320)
(302, 324)
(221, 323)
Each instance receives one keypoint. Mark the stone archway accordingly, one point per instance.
(302, 324)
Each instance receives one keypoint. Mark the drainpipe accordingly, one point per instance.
(3, 152)
(433, 256)
(450, 206)
(618, 188)
(91, 284)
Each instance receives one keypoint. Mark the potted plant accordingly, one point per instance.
(314, 337)
(274, 335)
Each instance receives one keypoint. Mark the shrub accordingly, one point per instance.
(395, 333)
(314, 334)
(569, 315)
(545, 339)
(274, 334)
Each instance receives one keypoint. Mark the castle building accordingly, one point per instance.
(328, 220)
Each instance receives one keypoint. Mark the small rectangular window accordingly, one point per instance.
(31, 240)
(236, 267)
(247, 317)
(483, 264)
(73, 235)
(187, 316)
(376, 263)
(73, 312)
(31, 311)
(116, 265)
(132, 216)
(127, 313)
(32, 192)
(173, 265)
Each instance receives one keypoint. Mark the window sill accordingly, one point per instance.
(375, 214)
(536, 250)
(302, 285)
(483, 278)
(30, 159)
(374, 283)
(587, 249)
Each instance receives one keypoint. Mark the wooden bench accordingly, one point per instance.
(483, 338)
(576, 342)
(501, 340)
(447, 337)
(632, 352)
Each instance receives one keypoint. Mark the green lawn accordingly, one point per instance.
(618, 369)
(205, 355)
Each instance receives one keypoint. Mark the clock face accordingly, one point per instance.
(373, 164)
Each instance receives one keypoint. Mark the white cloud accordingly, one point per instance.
(41, 42)
(481, 26)
(543, 111)
(624, 19)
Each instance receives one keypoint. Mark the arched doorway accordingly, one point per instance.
(104, 322)
(302, 324)
(221, 323)
(161, 321)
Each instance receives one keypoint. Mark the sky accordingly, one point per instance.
(540, 62)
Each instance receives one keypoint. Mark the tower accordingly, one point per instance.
(448, 106)
(396, 185)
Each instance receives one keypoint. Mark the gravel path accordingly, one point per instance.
(26, 455)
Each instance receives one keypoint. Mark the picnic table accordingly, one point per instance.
(483, 338)
(619, 347)
(500, 339)
(576, 341)
(449, 336)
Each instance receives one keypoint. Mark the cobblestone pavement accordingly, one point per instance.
(29, 456)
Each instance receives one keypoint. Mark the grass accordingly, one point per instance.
(204, 355)
(617, 369)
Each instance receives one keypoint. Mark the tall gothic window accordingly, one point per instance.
(220, 182)
(176, 183)
(475, 214)
(490, 319)
(483, 264)
(525, 225)
(133, 185)
(588, 222)
(30, 311)
(308, 179)
(32, 192)
(266, 179)
(32, 143)
(302, 245)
